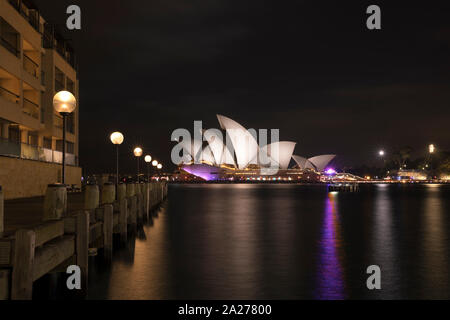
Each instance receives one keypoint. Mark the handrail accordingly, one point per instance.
(8, 95)
(31, 60)
(10, 47)
(17, 96)
(30, 66)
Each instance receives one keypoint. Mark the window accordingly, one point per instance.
(70, 147)
(47, 143)
(9, 37)
(59, 80)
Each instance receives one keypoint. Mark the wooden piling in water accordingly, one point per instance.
(64, 239)
(2, 221)
(123, 220)
(108, 226)
(91, 197)
(22, 277)
(55, 202)
(82, 246)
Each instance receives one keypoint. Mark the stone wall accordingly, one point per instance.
(22, 178)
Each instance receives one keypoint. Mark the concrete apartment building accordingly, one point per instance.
(35, 63)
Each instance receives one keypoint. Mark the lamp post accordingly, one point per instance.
(148, 159)
(117, 139)
(64, 103)
(137, 153)
(431, 150)
(159, 166)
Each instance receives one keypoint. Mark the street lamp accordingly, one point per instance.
(431, 148)
(381, 153)
(148, 159)
(154, 163)
(64, 103)
(117, 139)
(137, 153)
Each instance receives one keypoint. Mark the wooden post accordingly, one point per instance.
(108, 225)
(133, 212)
(55, 202)
(2, 223)
(22, 277)
(91, 197)
(123, 220)
(130, 190)
(121, 191)
(82, 247)
(4, 284)
(147, 200)
(108, 193)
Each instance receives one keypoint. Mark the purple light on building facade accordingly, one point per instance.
(330, 171)
(202, 171)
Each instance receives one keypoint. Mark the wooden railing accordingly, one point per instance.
(65, 239)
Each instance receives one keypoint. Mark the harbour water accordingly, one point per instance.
(285, 241)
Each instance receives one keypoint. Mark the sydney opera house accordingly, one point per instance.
(241, 158)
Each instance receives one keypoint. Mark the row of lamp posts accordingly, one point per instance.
(65, 103)
(117, 139)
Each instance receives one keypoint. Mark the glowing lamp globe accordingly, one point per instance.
(159, 166)
(154, 163)
(64, 102)
(431, 148)
(148, 159)
(381, 153)
(137, 152)
(116, 138)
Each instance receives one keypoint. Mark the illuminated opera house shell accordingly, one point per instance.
(216, 158)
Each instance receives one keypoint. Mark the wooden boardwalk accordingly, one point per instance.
(32, 246)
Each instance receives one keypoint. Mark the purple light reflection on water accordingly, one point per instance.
(330, 279)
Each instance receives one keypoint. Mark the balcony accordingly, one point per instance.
(30, 66)
(9, 37)
(28, 11)
(9, 95)
(25, 151)
(30, 108)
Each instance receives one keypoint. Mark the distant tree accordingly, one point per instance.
(444, 165)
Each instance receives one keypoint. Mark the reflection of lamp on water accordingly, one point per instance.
(117, 139)
(148, 159)
(64, 103)
(137, 153)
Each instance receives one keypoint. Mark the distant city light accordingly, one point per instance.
(431, 148)
(381, 153)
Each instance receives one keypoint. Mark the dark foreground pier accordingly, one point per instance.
(44, 235)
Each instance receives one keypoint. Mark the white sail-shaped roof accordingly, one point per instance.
(244, 144)
(208, 156)
(320, 162)
(280, 152)
(303, 163)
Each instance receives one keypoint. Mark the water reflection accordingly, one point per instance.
(330, 276)
(383, 243)
(434, 262)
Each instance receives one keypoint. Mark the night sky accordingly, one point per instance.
(310, 68)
